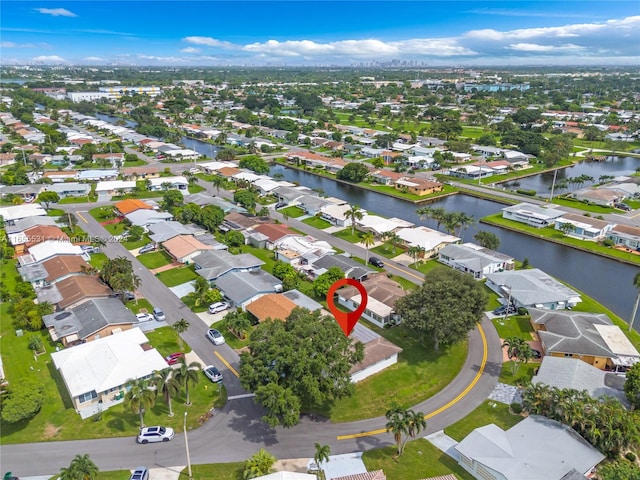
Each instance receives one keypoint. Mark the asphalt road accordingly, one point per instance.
(236, 432)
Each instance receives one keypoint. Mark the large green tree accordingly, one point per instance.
(445, 308)
(322, 284)
(353, 172)
(487, 239)
(24, 400)
(118, 274)
(632, 386)
(287, 371)
(259, 465)
(618, 470)
(48, 198)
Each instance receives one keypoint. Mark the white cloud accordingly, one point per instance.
(56, 12)
(21, 45)
(208, 41)
(190, 50)
(49, 59)
(170, 60)
(534, 47)
(94, 59)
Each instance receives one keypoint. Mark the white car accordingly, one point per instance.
(218, 307)
(215, 336)
(155, 434)
(212, 373)
(144, 317)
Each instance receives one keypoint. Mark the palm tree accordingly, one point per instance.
(437, 214)
(514, 346)
(139, 397)
(636, 283)
(398, 425)
(217, 182)
(394, 240)
(353, 214)
(259, 465)
(415, 251)
(416, 423)
(367, 240)
(185, 374)
(83, 468)
(201, 287)
(321, 456)
(180, 327)
(166, 384)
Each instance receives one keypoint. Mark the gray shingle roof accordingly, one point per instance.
(350, 267)
(533, 286)
(164, 231)
(214, 264)
(301, 300)
(239, 287)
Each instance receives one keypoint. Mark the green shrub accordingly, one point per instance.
(530, 193)
(607, 242)
(516, 408)
(630, 456)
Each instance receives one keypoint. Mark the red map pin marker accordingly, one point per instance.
(347, 320)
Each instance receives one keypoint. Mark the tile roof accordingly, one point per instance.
(41, 233)
(378, 286)
(274, 305)
(75, 289)
(62, 265)
(131, 205)
(373, 475)
(183, 245)
(274, 231)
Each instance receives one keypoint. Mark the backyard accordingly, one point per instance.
(155, 259)
(177, 276)
(489, 412)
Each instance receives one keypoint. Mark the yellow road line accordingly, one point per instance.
(408, 273)
(227, 364)
(444, 407)
(81, 217)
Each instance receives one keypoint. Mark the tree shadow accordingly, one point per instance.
(247, 418)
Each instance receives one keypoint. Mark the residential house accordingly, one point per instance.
(114, 158)
(169, 183)
(32, 236)
(7, 159)
(537, 448)
(61, 267)
(26, 223)
(272, 305)
(386, 177)
(243, 287)
(17, 212)
(212, 265)
(96, 373)
(47, 249)
(370, 152)
(228, 172)
(588, 336)
(97, 175)
(183, 248)
(163, 231)
(105, 190)
(77, 289)
(350, 267)
(335, 165)
(471, 172)
(474, 259)
(532, 215)
(338, 214)
(380, 225)
(418, 187)
(532, 288)
(142, 172)
(340, 466)
(125, 207)
(624, 236)
(599, 196)
(145, 218)
(273, 233)
(431, 240)
(573, 373)
(28, 192)
(69, 189)
(239, 221)
(295, 249)
(182, 154)
(287, 476)
(301, 300)
(379, 353)
(627, 189)
(382, 293)
(312, 204)
(62, 176)
(584, 228)
(290, 195)
(90, 321)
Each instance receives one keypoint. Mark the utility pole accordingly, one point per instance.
(553, 185)
(186, 445)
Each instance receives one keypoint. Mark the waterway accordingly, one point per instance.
(612, 166)
(607, 281)
(116, 120)
(203, 148)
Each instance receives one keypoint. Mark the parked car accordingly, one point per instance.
(194, 170)
(212, 373)
(159, 315)
(174, 358)
(90, 249)
(376, 262)
(144, 317)
(622, 206)
(215, 336)
(155, 434)
(281, 205)
(536, 353)
(128, 296)
(218, 307)
(140, 473)
(504, 310)
(149, 247)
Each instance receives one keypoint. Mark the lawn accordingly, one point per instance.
(177, 276)
(265, 255)
(167, 341)
(133, 244)
(194, 188)
(420, 460)
(136, 163)
(317, 222)
(346, 235)
(189, 301)
(217, 471)
(55, 212)
(233, 341)
(98, 260)
(523, 375)
(292, 212)
(426, 266)
(573, 203)
(113, 475)
(72, 200)
(420, 373)
(386, 250)
(406, 284)
(115, 228)
(514, 326)
(489, 412)
(102, 213)
(141, 305)
(155, 259)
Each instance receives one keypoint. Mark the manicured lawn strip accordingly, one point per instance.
(386, 250)
(217, 471)
(135, 163)
(167, 341)
(115, 228)
(155, 259)
(132, 245)
(55, 212)
(71, 200)
(489, 412)
(146, 194)
(189, 301)
(514, 326)
(112, 475)
(233, 341)
(406, 284)
(551, 234)
(265, 255)
(177, 276)
(102, 213)
(420, 460)
(426, 266)
(143, 305)
(346, 235)
(523, 374)
(97, 260)
(293, 212)
(568, 202)
(194, 188)
(420, 373)
(317, 222)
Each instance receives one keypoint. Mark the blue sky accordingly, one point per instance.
(449, 32)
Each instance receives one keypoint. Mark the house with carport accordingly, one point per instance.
(625, 236)
(212, 265)
(599, 196)
(532, 215)
(584, 228)
(431, 240)
(53, 270)
(417, 186)
(146, 218)
(474, 259)
(96, 373)
(130, 205)
(242, 288)
(184, 248)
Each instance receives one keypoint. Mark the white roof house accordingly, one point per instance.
(113, 185)
(337, 214)
(287, 476)
(537, 448)
(17, 212)
(474, 259)
(534, 215)
(107, 364)
(145, 218)
(379, 225)
(178, 182)
(430, 240)
(48, 249)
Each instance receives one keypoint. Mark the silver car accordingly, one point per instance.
(155, 434)
(215, 336)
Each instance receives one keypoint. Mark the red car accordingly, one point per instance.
(174, 358)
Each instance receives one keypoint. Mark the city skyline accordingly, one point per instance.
(320, 33)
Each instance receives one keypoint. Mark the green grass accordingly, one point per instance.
(573, 203)
(406, 284)
(102, 214)
(420, 373)
(293, 212)
(113, 475)
(98, 260)
(217, 471)
(489, 412)
(386, 250)
(142, 305)
(194, 188)
(155, 259)
(167, 341)
(133, 244)
(177, 276)
(514, 326)
(233, 341)
(420, 460)
(523, 374)
(553, 235)
(317, 222)
(346, 235)
(265, 255)
(135, 163)
(115, 228)
(72, 200)
(55, 212)
(426, 266)
(190, 302)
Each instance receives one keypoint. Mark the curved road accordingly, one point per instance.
(236, 432)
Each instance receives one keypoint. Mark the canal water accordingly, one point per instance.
(115, 120)
(608, 281)
(612, 166)
(203, 148)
